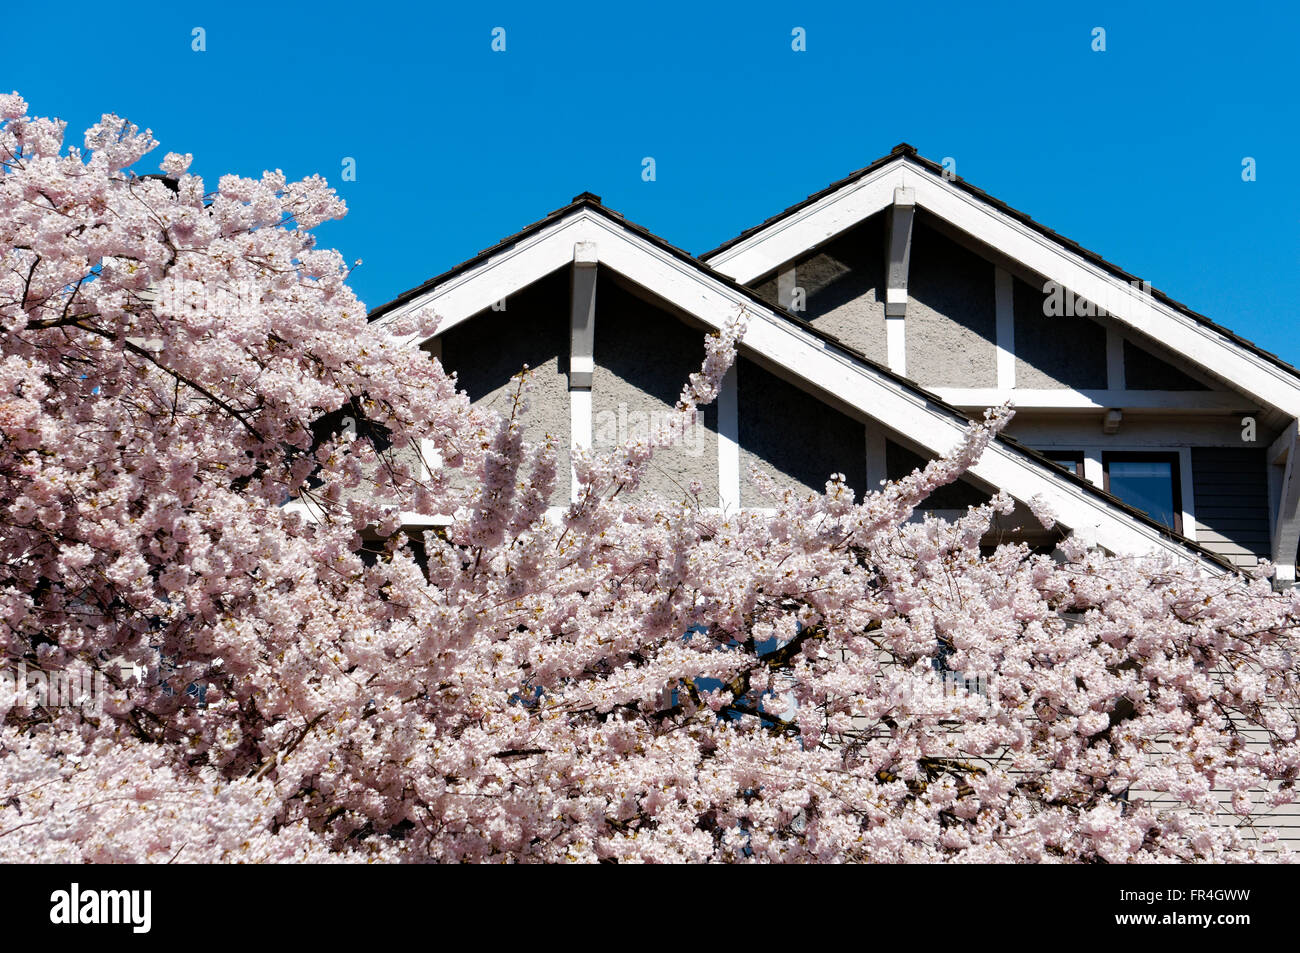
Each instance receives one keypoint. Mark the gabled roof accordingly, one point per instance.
(903, 153)
(587, 219)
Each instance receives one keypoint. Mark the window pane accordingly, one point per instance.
(1066, 461)
(1145, 484)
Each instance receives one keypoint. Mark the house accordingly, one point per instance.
(885, 311)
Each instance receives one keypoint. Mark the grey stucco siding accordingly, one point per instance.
(491, 347)
(792, 437)
(958, 495)
(1058, 351)
(844, 287)
(951, 323)
(644, 355)
(1144, 371)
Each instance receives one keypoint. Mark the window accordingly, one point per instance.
(1071, 460)
(1148, 482)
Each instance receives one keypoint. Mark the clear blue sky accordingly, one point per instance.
(1135, 152)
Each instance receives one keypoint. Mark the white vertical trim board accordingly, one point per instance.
(1092, 469)
(1188, 502)
(729, 442)
(579, 432)
(877, 472)
(896, 345)
(1114, 359)
(1006, 329)
(786, 282)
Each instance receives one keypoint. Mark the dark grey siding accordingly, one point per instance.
(1230, 489)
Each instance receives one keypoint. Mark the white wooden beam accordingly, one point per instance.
(901, 214)
(582, 344)
(1003, 289)
(877, 473)
(786, 281)
(582, 315)
(1164, 401)
(729, 442)
(1188, 502)
(1114, 359)
(1286, 521)
(1093, 471)
(579, 432)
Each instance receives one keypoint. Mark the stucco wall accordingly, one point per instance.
(1061, 351)
(951, 324)
(958, 495)
(489, 348)
(644, 356)
(844, 286)
(1144, 371)
(793, 437)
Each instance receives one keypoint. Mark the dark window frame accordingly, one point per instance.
(1171, 457)
(1074, 456)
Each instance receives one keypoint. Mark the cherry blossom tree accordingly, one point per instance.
(208, 455)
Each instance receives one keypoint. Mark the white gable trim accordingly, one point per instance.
(873, 394)
(1135, 308)
(794, 234)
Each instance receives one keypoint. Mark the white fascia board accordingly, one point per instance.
(1129, 306)
(514, 267)
(772, 247)
(872, 393)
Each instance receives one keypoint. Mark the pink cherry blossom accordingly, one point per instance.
(632, 679)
